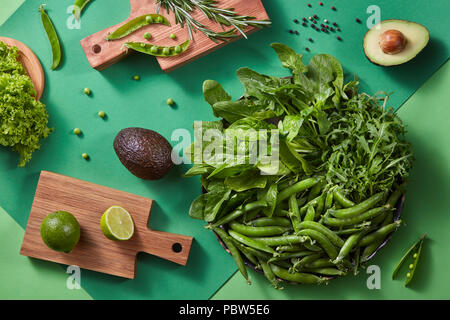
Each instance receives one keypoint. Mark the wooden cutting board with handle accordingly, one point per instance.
(31, 64)
(102, 54)
(87, 202)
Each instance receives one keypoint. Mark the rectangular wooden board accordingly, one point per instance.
(87, 202)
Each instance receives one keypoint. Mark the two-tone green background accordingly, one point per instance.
(419, 87)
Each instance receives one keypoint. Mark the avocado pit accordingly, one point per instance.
(392, 41)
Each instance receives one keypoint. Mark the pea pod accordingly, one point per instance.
(305, 260)
(257, 231)
(359, 208)
(310, 214)
(417, 246)
(52, 38)
(252, 242)
(334, 238)
(268, 273)
(297, 187)
(342, 200)
(348, 246)
(335, 222)
(305, 278)
(249, 255)
(325, 271)
(137, 23)
(280, 240)
(393, 199)
(290, 255)
(158, 51)
(273, 221)
(234, 252)
(239, 212)
(320, 263)
(294, 212)
(78, 8)
(379, 234)
(323, 241)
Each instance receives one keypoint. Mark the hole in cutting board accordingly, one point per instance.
(96, 48)
(176, 247)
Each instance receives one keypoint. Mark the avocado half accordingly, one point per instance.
(416, 38)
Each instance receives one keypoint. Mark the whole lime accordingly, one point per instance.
(60, 231)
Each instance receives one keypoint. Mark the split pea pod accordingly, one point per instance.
(251, 242)
(335, 222)
(78, 8)
(297, 187)
(234, 252)
(137, 23)
(323, 241)
(305, 278)
(257, 231)
(158, 51)
(52, 38)
(359, 208)
(380, 233)
(333, 237)
(273, 221)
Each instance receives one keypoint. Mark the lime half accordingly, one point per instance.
(117, 224)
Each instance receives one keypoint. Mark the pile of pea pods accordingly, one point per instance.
(315, 234)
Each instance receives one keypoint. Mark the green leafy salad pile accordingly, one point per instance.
(326, 201)
(23, 119)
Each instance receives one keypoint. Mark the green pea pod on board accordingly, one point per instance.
(416, 256)
(137, 23)
(52, 38)
(158, 51)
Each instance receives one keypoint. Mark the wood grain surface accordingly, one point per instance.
(102, 54)
(87, 202)
(31, 64)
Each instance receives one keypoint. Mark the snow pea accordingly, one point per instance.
(137, 23)
(158, 51)
(52, 37)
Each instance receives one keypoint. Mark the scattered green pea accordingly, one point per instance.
(87, 91)
(173, 36)
(101, 114)
(147, 36)
(77, 131)
(170, 102)
(137, 78)
(85, 156)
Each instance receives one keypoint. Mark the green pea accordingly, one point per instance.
(137, 78)
(159, 19)
(173, 36)
(154, 49)
(101, 114)
(166, 51)
(148, 19)
(87, 91)
(177, 49)
(147, 36)
(77, 131)
(415, 255)
(411, 266)
(85, 156)
(143, 45)
(170, 102)
(408, 275)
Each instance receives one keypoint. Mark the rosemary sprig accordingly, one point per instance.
(182, 10)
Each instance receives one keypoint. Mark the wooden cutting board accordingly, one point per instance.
(31, 64)
(102, 54)
(87, 202)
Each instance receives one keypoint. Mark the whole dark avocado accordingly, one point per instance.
(145, 153)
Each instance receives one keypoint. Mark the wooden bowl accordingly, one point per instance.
(31, 64)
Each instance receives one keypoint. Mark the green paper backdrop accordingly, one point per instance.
(131, 103)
